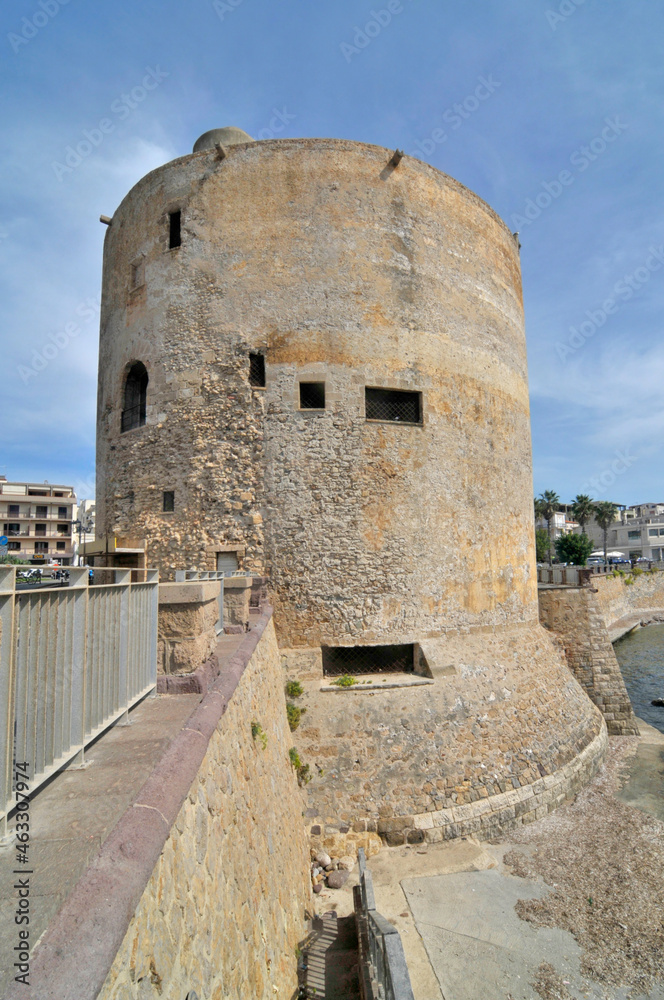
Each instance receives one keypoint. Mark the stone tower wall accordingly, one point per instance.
(343, 270)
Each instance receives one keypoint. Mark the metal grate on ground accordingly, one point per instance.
(393, 404)
(339, 660)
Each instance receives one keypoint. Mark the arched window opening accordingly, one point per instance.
(135, 395)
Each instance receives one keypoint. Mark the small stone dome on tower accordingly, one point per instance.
(227, 136)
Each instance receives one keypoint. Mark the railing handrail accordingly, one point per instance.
(73, 659)
(383, 962)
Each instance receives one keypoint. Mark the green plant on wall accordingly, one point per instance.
(301, 770)
(294, 713)
(346, 681)
(258, 733)
(294, 689)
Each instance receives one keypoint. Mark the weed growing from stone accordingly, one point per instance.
(301, 770)
(259, 735)
(294, 714)
(294, 689)
(346, 681)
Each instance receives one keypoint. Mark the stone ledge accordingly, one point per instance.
(361, 688)
(192, 592)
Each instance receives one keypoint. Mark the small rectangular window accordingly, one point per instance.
(312, 395)
(339, 660)
(257, 370)
(14, 546)
(41, 511)
(393, 404)
(41, 546)
(61, 546)
(174, 230)
(14, 510)
(63, 512)
(169, 501)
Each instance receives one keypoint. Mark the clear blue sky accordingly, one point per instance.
(563, 138)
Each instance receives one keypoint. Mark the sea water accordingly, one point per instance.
(641, 658)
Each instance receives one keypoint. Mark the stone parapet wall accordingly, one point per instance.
(224, 910)
(574, 616)
(202, 885)
(503, 711)
(186, 631)
(616, 599)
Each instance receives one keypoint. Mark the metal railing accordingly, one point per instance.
(383, 969)
(73, 660)
(578, 576)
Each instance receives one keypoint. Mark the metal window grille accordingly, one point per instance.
(135, 398)
(338, 660)
(169, 501)
(257, 370)
(312, 395)
(393, 404)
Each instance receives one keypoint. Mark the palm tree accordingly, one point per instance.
(605, 515)
(583, 508)
(546, 505)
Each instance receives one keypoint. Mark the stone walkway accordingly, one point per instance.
(73, 814)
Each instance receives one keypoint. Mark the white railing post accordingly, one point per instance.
(7, 602)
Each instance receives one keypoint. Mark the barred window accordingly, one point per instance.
(135, 397)
(393, 404)
(312, 395)
(257, 370)
(338, 660)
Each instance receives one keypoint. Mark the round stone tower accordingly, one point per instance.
(313, 366)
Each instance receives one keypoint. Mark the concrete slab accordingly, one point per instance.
(72, 815)
(478, 946)
(387, 869)
(643, 784)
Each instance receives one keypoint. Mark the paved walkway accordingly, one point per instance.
(74, 813)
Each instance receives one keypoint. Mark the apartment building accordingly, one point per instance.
(37, 520)
(637, 532)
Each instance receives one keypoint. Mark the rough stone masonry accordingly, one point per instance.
(354, 279)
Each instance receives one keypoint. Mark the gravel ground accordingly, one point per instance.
(604, 862)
